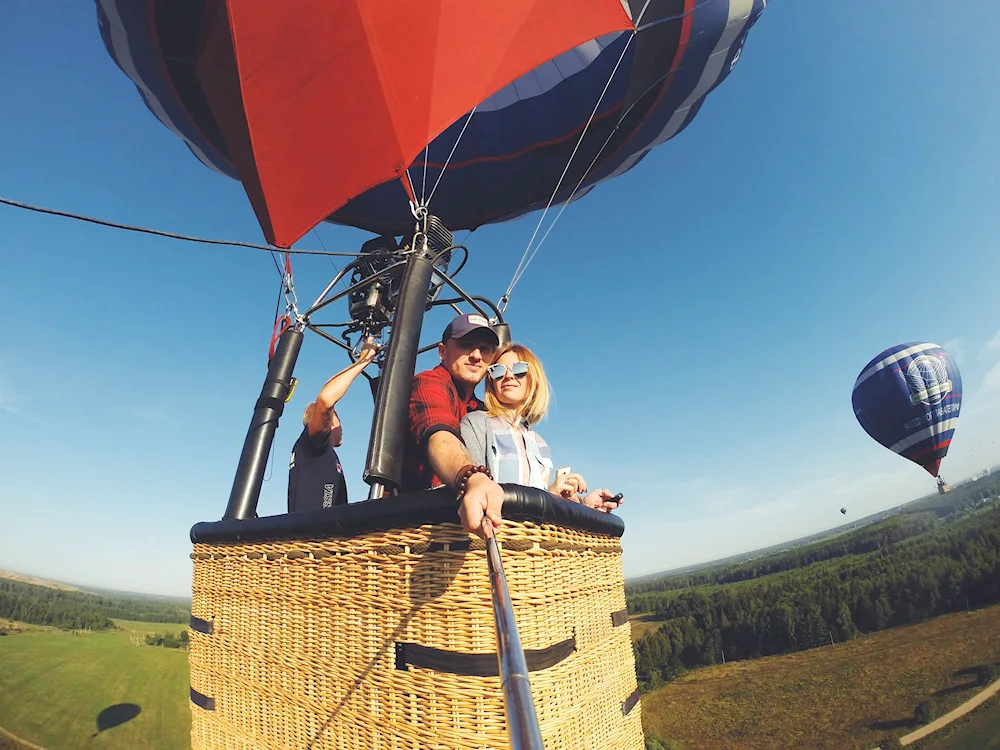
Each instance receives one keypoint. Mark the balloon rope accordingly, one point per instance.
(448, 161)
(519, 271)
(423, 183)
(336, 270)
(560, 213)
(582, 178)
(525, 260)
(277, 317)
(161, 233)
(278, 269)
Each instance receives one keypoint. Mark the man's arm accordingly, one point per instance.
(483, 496)
(324, 418)
(447, 455)
(433, 423)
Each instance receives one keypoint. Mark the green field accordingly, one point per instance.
(144, 628)
(53, 686)
(980, 730)
(842, 697)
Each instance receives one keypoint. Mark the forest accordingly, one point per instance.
(917, 517)
(78, 610)
(168, 640)
(899, 571)
(961, 498)
(867, 539)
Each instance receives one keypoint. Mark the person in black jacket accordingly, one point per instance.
(315, 476)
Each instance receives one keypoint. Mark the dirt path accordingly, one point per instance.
(12, 741)
(956, 713)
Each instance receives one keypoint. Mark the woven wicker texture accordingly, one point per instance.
(303, 648)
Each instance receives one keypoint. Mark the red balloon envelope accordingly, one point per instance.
(310, 124)
(312, 103)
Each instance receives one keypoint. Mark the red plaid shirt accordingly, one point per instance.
(435, 405)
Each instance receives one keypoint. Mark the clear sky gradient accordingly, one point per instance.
(702, 318)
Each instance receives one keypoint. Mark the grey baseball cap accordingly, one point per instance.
(465, 324)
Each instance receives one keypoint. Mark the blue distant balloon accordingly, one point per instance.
(908, 399)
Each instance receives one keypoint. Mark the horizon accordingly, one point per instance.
(871, 518)
(702, 318)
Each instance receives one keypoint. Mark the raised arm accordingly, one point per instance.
(323, 419)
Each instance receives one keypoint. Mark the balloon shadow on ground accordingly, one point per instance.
(115, 715)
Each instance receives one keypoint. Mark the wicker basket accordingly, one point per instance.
(321, 630)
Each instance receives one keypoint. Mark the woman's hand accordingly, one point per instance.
(598, 500)
(567, 486)
(562, 488)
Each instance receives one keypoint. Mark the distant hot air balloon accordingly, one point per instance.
(843, 511)
(908, 399)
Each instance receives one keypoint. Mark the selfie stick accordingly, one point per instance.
(522, 723)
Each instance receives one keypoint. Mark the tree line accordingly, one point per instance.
(867, 539)
(919, 517)
(961, 498)
(949, 568)
(77, 610)
(168, 640)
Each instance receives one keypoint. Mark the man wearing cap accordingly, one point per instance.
(435, 453)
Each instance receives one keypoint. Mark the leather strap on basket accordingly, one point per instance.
(630, 702)
(477, 665)
(202, 626)
(201, 700)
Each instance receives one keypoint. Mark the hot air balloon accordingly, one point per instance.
(370, 624)
(908, 398)
(843, 511)
(351, 110)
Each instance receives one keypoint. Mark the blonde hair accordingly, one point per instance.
(536, 403)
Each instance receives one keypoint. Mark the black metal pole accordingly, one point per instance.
(389, 423)
(503, 333)
(253, 460)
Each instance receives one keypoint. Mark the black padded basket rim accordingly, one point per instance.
(405, 511)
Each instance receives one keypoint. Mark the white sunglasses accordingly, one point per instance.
(499, 371)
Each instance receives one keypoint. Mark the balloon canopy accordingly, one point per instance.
(348, 110)
(908, 399)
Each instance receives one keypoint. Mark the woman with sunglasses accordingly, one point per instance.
(502, 438)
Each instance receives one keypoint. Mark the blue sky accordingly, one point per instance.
(702, 318)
